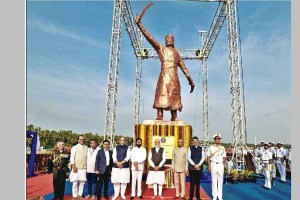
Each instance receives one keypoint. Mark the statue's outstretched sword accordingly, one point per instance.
(144, 10)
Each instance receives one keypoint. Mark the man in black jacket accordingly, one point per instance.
(103, 167)
(196, 158)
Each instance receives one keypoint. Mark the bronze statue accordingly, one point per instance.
(167, 95)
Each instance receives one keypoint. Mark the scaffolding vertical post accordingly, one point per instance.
(203, 35)
(235, 87)
(112, 83)
(138, 83)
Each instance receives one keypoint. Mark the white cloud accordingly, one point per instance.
(52, 28)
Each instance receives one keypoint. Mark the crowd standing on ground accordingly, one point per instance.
(94, 166)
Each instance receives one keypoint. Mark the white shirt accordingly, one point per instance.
(161, 162)
(281, 152)
(216, 157)
(138, 154)
(91, 159)
(107, 156)
(261, 150)
(229, 163)
(266, 156)
(115, 155)
(190, 159)
(272, 149)
(256, 152)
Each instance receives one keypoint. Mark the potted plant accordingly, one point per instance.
(252, 178)
(228, 175)
(242, 176)
(235, 177)
(247, 177)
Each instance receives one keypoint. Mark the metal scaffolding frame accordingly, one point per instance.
(205, 144)
(238, 116)
(226, 9)
(113, 72)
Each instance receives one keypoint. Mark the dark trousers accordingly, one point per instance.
(103, 178)
(59, 180)
(50, 170)
(195, 181)
(92, 183)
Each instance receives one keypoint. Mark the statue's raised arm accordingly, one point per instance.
(146, 34)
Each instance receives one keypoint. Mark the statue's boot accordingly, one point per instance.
(160, 114)
(174, 115)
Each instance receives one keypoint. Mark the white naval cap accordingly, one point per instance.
(217, 135)
(271, 142)
(266, 144)
(262, 142)
(279, 143)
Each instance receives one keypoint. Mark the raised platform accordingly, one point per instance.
(168, 131)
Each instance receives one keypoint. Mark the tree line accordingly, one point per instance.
(49, 138)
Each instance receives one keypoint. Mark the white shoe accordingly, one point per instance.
(88, 196)
(93, 197)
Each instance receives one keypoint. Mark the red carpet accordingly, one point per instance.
(41, 185)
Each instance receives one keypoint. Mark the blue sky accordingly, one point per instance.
(68, 55)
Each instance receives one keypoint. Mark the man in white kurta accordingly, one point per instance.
(120, 174)
(266, 160)
(138, 157)
(281, 161)
(78, 160)
(216, 161)
(156, 176)
(91, 175)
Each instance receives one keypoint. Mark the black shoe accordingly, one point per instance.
(263, 186)
(131, 197)
(268, 188)
(141, 197)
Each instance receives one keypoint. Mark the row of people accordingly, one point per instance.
(94, 166)
(279, 159)
(270, 159)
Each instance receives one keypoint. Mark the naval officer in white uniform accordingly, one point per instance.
(216, 161)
